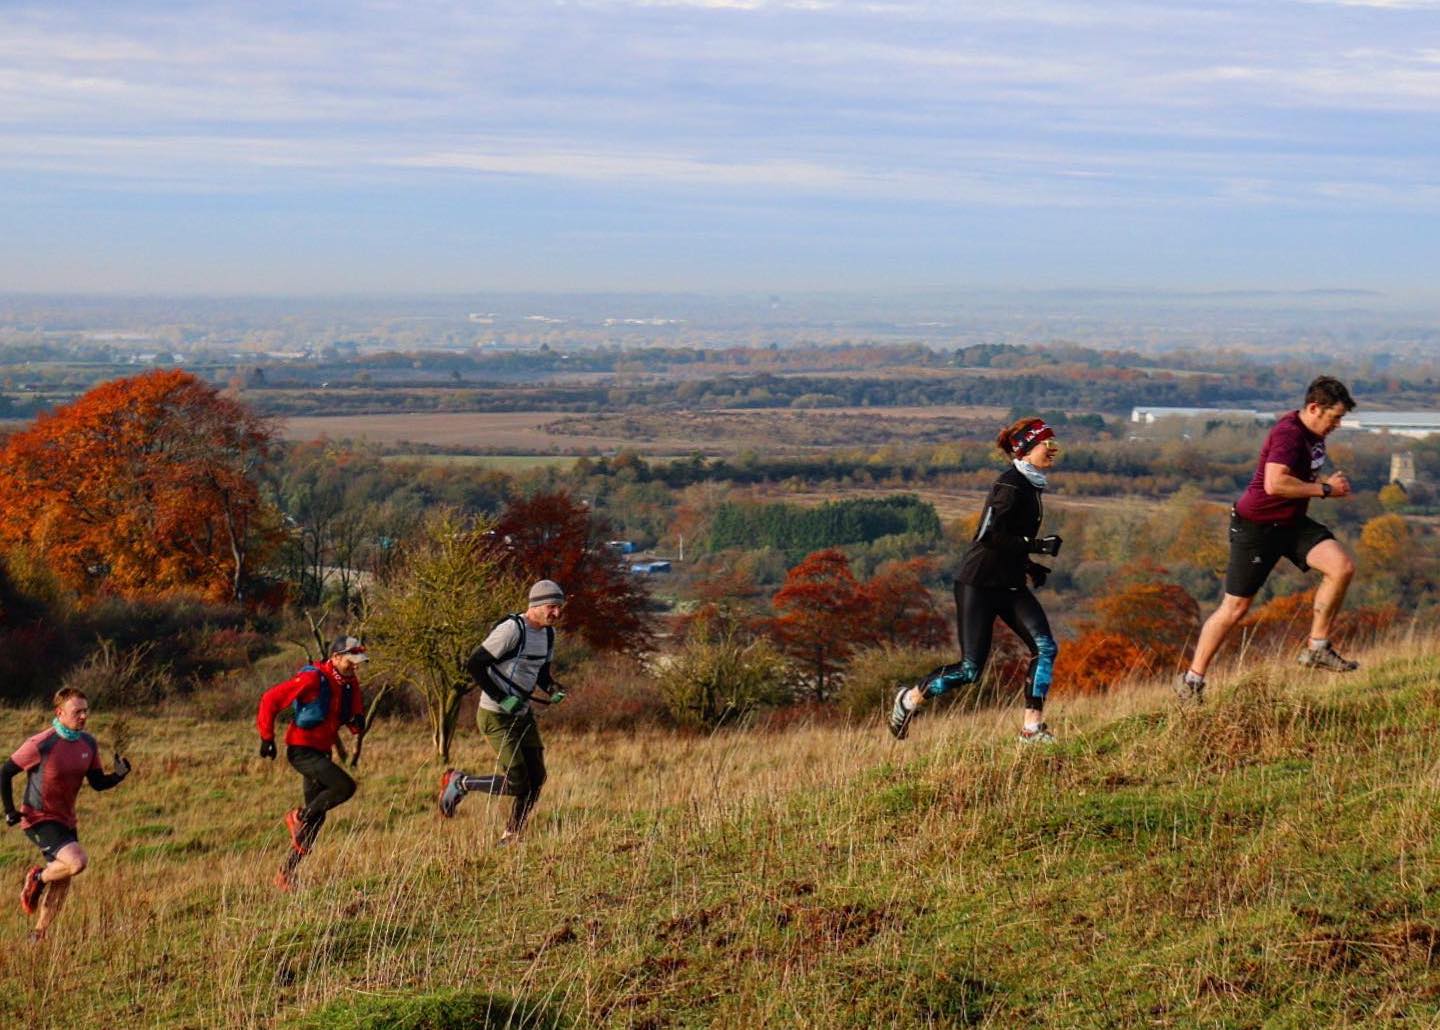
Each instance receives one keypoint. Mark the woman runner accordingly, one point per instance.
(991, 583)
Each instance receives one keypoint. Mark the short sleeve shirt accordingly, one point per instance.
(524, 668)
(1302, 452)
(56, 768)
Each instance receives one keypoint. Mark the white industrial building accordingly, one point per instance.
(1399, 423)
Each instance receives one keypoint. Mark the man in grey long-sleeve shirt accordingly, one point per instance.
(510, 666)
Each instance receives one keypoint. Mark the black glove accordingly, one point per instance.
(122, 767)
(267, 749)
(1046, 545)
(358, 723)
(1038, 574)
(12, 817)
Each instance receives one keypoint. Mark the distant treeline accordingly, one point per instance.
(1106, 392)
(798, 531)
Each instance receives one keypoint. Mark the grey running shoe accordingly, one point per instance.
(1326, 658)
(1189, 691)
(452, 789)
(1039, 735)
(901, 714)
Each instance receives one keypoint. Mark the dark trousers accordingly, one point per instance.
(976, 609)
(521, 760)
(326, 785)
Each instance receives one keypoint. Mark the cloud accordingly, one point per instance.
(908, 104)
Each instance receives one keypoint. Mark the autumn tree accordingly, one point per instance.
(1141, 627)
(1393, 497)
(817, 612)
(897, 608)
(1385, 543)
(553, 536)
(445, 592)
(143, 486)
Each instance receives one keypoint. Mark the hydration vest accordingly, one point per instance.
(309, 714)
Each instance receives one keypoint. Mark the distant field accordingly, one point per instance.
(661, 433)
(504, 462)
(518, 432)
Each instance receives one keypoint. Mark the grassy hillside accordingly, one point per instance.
(1270, 860)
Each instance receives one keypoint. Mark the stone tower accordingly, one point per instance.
(1402, 468)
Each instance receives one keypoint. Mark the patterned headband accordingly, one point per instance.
(1032, 434)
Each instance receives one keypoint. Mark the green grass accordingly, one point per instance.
(1267, 861)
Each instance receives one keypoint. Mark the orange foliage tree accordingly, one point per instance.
(1276, 626)
(1140, 628)
(143, 486)
(824, 613)
(1385, 543)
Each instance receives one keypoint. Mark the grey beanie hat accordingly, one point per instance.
(547, 591)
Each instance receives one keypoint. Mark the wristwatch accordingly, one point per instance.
(1325, 489)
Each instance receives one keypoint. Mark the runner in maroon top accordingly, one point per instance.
(1271, 521)
(57, 760)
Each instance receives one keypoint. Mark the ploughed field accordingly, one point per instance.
(668, 433)
(1270, 859)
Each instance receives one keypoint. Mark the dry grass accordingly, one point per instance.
(1268, 858)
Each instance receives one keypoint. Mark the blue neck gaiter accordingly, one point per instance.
(63, 730)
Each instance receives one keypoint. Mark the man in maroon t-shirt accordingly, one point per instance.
(1270, 522)
(57, 760)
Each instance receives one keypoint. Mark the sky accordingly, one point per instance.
(718, 145)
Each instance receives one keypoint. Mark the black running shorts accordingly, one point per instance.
(50, 837)
(1255, 547)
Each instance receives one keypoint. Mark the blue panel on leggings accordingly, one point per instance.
(1044, 665)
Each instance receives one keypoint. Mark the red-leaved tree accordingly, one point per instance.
(897, 608)
(817, 612)
(553, 536)
(143, 486)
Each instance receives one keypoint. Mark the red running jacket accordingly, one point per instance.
(305, 685)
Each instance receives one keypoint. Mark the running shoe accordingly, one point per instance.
(296, 826)
(1039, 735)
(34, 887)
(1326, 658)
(452, 789)
(1188, 691)
(901, 714)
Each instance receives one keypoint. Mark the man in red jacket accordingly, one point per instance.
(322, 698)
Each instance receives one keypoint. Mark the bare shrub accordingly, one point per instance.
(718, 679)
(609, 691)
(875, 673)
(121, 678)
